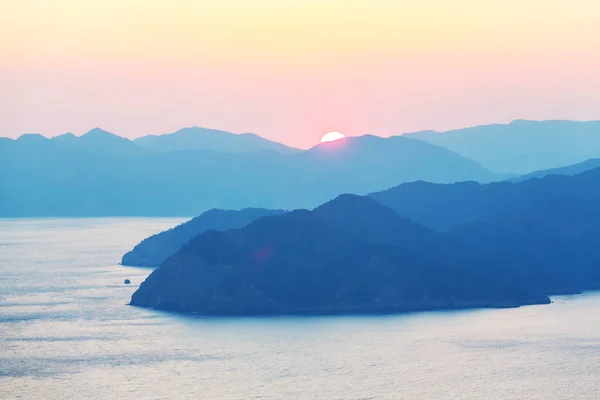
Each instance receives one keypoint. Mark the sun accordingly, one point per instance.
(332, 137)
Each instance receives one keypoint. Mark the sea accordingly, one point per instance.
(67, 332)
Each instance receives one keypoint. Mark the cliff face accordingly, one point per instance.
(316, 262)
(154, 250)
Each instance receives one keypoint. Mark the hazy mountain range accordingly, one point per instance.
(101, 174)
(522, 146)
(100, 141)
(196, 138)
(196, 169)
(567, 170)
(416, 246)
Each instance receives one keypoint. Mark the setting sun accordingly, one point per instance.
(332, 136)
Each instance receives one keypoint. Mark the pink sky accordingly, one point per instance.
(293, 70)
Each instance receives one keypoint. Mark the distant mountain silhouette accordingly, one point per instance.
(319, 262)
(522, 146)
(26, 143)
(50, 178)
(29, 139)
(568, 170)
(356, 164)
(98, 141)
(196, 138)
(154, 250)
(66, 138)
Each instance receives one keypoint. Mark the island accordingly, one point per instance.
(350, 255)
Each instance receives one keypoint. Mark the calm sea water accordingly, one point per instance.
(66, 332)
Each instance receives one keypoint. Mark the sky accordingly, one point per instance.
(292, 70)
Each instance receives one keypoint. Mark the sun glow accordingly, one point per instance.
(332, 137)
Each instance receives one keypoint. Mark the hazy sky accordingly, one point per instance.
(291, 70)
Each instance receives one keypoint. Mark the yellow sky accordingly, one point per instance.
(288, 40)
(303, 31)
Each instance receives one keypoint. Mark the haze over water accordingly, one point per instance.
(66, 332)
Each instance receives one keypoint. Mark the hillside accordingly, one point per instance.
(444, 207)
(310, 262)
(154, 250)
(505, 244)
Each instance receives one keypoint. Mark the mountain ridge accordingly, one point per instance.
(522, 146)
(306, 262)
(199, 138)
(155, 249)
(573, 169)
(61, 180)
